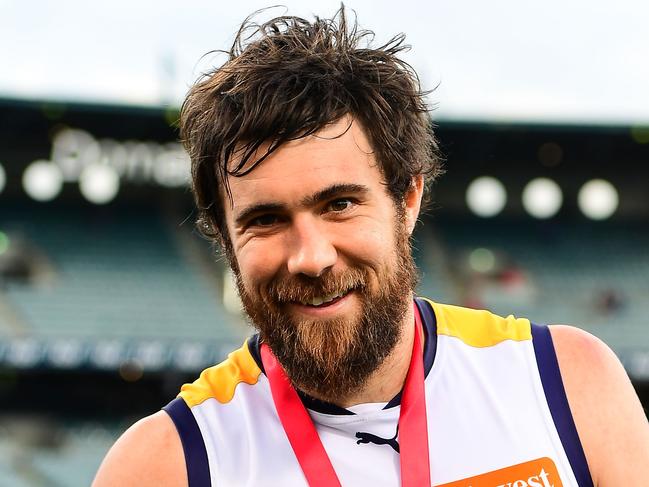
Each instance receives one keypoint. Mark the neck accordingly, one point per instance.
(388, 379)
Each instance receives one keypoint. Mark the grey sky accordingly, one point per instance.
(566, 61)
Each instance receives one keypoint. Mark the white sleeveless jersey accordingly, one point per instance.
(496, 409)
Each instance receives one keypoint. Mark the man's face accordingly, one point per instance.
(322, 258)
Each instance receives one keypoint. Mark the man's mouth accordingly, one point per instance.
(325, 300)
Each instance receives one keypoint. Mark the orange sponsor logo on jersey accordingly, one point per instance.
(537, 473)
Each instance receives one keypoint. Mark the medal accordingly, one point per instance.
(306, 444)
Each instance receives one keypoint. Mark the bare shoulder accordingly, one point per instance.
(149, 453)
(611, 423)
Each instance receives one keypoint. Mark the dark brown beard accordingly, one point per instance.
(330, 359)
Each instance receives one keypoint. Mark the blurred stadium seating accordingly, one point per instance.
(35, 453)
(589, 274)
(132, 291)
(106, 287)
(133, 259)
(105, 310)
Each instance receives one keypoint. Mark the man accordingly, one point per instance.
(311, 154)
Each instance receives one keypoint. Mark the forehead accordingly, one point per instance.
(338, 154)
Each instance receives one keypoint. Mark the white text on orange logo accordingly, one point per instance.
(531, 482)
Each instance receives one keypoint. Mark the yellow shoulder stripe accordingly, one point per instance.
(221, 380)
(479, 328)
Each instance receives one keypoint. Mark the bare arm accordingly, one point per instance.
(609, 418)
(148, 454)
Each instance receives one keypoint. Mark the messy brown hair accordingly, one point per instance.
(288, 78)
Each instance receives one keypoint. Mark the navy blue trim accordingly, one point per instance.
(198, 467)
(429, 321)
(323, 407)
(430, 333)
(555, 395)
(254, 342)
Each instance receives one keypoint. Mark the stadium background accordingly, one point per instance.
(109, 300)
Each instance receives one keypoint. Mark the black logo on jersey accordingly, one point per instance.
(377, 440)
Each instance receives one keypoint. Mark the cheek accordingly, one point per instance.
(258, 264)
(373, 245)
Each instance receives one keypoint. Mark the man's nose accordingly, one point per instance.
(311, 251)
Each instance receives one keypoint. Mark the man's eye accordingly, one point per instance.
(264, 221)
(340, 205)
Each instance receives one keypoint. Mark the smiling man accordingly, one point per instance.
(311, 154)
(323, 262)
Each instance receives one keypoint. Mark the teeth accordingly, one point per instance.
(317, 301)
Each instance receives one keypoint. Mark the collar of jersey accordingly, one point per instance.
(430, 346)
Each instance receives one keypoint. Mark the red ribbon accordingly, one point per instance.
(306, 444)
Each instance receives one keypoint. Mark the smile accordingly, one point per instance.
(324, 300)
(326, 305)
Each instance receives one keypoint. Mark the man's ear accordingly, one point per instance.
(412, 202)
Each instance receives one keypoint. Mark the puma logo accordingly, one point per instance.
(377, 440)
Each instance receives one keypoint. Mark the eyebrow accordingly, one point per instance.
(333, 191)
(308, 201)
